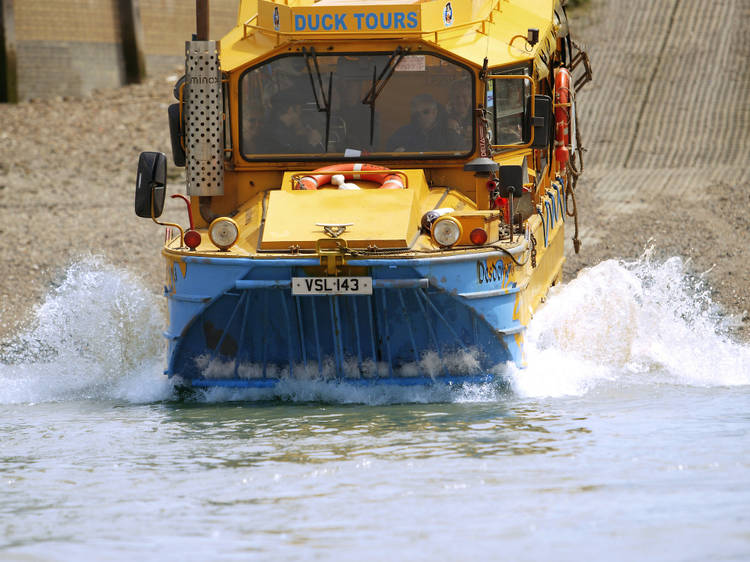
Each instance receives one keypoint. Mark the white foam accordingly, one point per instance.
(640, 322)
(431, 364)
(297, 390)
(97, 335)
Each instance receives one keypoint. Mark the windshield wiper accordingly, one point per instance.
(323, 102)
(379, 82)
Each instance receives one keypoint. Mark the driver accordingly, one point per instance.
(284, 132)
(460, 112)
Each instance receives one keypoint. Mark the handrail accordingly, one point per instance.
(247, 24)
(369, 33)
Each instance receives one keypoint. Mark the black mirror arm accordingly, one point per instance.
(177, 226)
(154, 185)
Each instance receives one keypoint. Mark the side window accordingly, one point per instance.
(506, 99)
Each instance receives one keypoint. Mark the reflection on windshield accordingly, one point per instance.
(424, 107)
(505, 102)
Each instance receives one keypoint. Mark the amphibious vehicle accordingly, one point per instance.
(376, 190)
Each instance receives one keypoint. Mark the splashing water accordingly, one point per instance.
(98, 336)
(635, 322)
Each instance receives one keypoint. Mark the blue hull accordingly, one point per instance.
(234, 323)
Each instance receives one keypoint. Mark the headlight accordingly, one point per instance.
(223, 232)
(446, 231)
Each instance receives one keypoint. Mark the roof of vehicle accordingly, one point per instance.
(470, 29)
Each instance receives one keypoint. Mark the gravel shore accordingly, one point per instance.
(67, 175)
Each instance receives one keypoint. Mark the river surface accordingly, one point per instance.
(625, 438)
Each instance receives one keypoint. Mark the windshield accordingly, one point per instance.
(352, 105)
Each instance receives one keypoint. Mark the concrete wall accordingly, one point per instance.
(70, 47)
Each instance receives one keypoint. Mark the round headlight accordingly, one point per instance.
(446, 231)
(223, 232)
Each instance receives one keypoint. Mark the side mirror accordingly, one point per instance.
(540, 121)
(151, 184)
(176, 135)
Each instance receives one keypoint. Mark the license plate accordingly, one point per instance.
(331, 285)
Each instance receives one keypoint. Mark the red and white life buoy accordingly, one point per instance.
(322, 176)
(562, 116)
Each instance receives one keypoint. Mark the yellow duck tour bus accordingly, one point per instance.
(376, 190)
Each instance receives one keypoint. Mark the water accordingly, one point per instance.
(625, 438)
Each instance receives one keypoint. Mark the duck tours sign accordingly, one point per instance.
(355, 18)
(356, 21)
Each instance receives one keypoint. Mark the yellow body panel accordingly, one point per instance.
(387, 218)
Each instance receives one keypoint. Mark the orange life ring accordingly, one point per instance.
(562, 116)
(322, 176)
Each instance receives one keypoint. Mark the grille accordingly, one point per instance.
(396, 333)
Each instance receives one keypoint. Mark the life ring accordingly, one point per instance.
(562, 116)
(322, 176)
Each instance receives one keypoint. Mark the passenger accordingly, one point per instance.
(284, 132)
(460, 113)
(428, 130)
(291, 75)
(293, 78)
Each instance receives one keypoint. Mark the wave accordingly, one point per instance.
(97, 336)
(637, 322)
